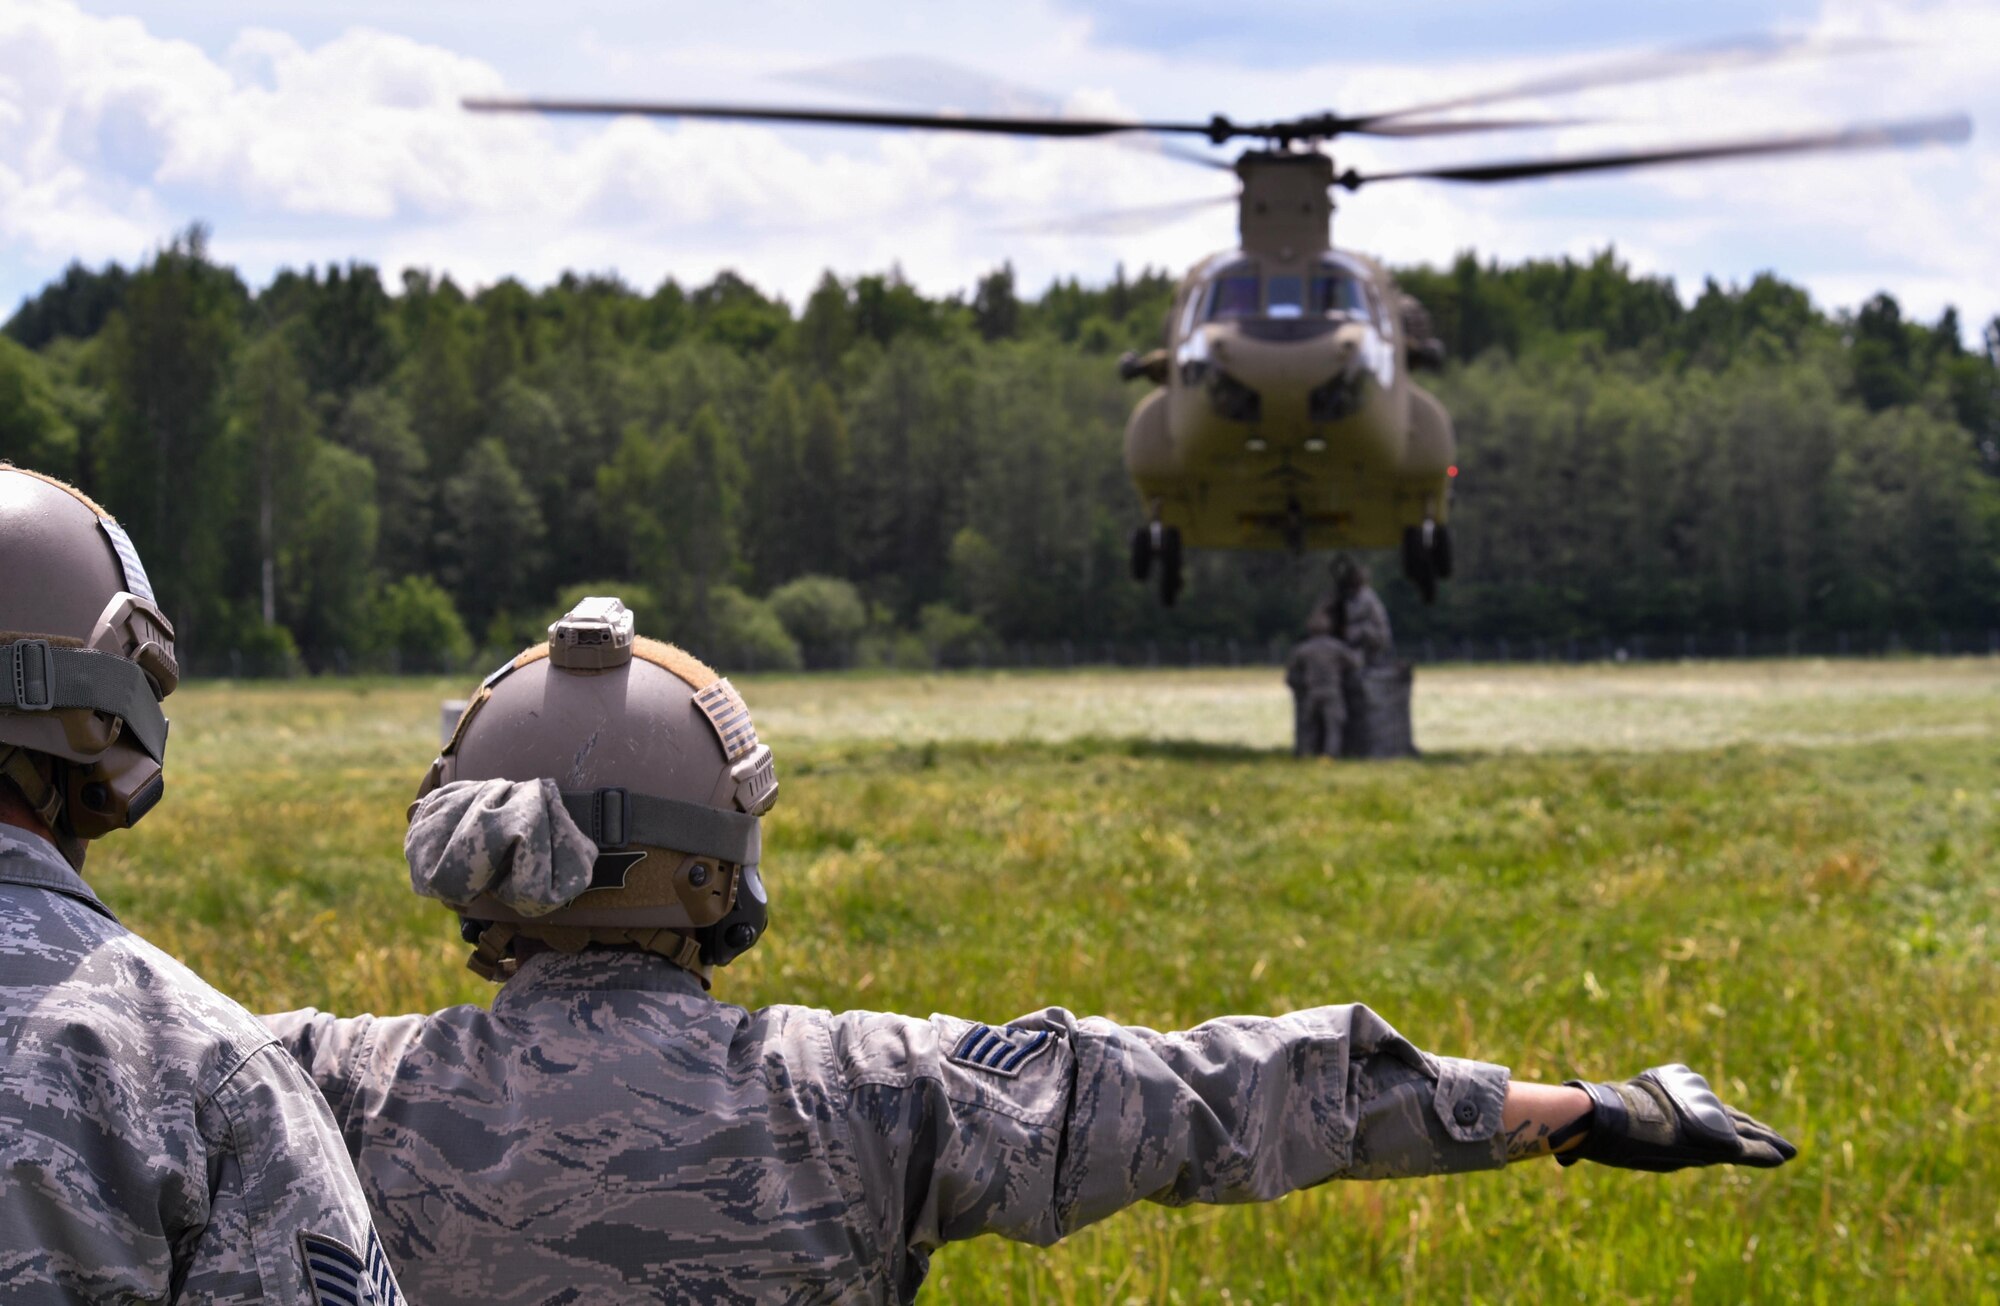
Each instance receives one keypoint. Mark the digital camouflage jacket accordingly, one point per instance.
(609, 1132)
(155, 1144)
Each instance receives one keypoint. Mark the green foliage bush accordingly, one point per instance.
(33, 432)
(824, 614)
(953, 638)
(242, 643)
(416, 625)
(747, 634)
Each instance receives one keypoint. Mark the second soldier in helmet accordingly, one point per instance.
(154, 1145)
(608, 1130)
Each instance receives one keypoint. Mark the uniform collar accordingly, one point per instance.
(598, 970)
(32, 860)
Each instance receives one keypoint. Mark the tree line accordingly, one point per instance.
(328, 474)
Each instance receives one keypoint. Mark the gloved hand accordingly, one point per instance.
(1668, 1118)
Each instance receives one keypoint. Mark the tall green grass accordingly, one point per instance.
(1591, 872)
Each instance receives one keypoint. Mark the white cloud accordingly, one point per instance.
(352, 145)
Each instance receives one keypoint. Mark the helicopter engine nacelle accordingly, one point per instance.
(1432, 446)
(1149, 445)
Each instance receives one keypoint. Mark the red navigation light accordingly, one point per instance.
(1451, 470)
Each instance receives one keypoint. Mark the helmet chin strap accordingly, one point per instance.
(496, 954)
(43, 797)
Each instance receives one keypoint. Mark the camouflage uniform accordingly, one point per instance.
(155, 1145)
(1316, 673)
(609, 1132)
(1364, 625)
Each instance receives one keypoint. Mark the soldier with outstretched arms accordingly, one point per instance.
(611, 1131)
(155, 1143)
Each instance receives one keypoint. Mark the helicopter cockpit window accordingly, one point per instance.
(1338, 292)
(1285, 297)
(1233, 297)
(1333, 289)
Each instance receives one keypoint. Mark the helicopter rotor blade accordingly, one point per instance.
(1153, 143)
(1460, 126)
(918, 81)
(921, 82)
(984, 124)
(1218, 130)
(1121, 222)
(1950, 130)
(1683, 61)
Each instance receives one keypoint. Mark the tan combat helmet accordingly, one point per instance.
(85, 658)
(657, 762)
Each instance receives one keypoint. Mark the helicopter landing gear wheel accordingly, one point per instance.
(1441, 561)
(1417, 564)
(1142, 551)
(1168, 552)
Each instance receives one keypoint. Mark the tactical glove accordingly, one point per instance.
(1669, 1119)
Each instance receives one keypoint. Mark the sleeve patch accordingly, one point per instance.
(1000, 1051)
(338, 1277)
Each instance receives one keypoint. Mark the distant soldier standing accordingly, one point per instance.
(1316, 671)
(1376, 686)
(1358, 618)
(610, 1132)
(155, 1144)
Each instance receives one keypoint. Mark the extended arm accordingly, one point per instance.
(351, 1059)
(1051, 1123)
(1096, 1116)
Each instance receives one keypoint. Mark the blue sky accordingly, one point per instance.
(309, 133)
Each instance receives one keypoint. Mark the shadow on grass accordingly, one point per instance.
(999, 754)
(1189, 750)
(1196, 750)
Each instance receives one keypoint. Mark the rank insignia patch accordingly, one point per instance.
(338, 1277)
(1001, 1051)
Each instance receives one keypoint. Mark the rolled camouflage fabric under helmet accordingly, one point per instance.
(655, 760)
(510, 839)
(85, 659)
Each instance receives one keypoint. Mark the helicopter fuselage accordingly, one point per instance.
(1286, 417)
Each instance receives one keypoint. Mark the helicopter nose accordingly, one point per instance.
(1349, 341)
(1337, 398)
(1304, 366)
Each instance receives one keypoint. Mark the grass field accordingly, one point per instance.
(1782, 873)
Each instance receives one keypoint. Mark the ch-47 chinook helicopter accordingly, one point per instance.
(1284, 415)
